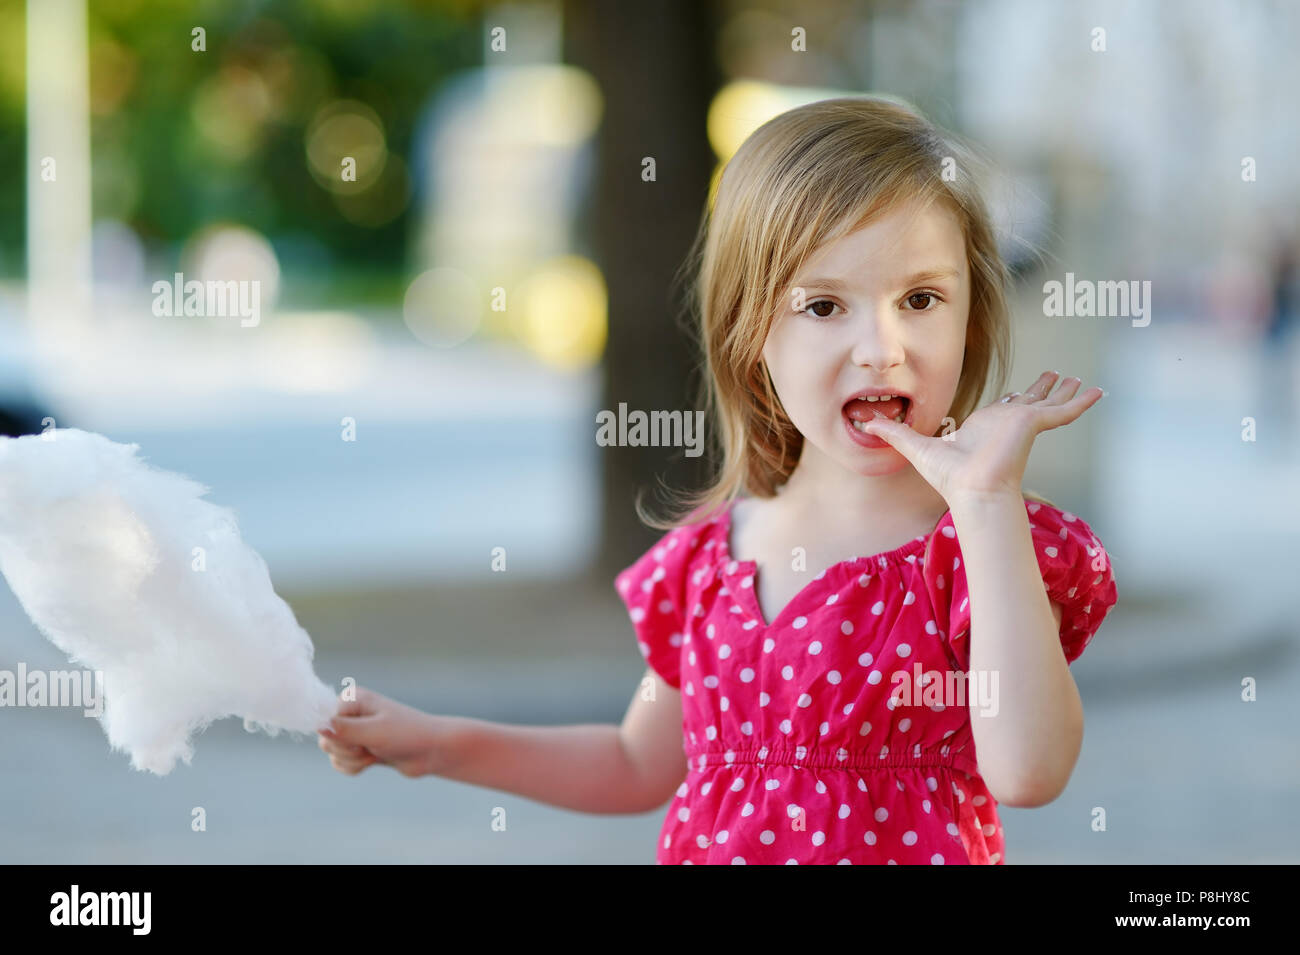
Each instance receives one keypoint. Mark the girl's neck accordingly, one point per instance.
(857, 499)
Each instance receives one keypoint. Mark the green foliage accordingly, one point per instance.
(182, 139)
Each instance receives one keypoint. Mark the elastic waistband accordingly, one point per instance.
(860, 762)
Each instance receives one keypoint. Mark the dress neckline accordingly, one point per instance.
(732, 567)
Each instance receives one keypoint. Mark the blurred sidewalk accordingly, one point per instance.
(1186, 771)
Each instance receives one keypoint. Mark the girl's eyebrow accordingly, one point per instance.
(916, 278)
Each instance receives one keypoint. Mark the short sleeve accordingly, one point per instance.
(654, 591)
(1074, 566)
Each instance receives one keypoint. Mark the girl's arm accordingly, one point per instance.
(595, 768)
(1027, 751)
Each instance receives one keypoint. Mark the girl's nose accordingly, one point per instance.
(877, 340)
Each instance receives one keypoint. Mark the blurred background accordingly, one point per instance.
(461, 261)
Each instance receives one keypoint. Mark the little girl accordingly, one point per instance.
(805, 703)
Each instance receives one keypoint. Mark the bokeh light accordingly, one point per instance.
(564, 312)
(230, 109)
(443, 307)
(346, 129)
(226, 252)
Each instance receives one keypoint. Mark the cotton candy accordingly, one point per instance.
(129, 571)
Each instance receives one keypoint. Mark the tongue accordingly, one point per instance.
(866, 410)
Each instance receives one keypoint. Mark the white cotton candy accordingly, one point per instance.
(102, 550)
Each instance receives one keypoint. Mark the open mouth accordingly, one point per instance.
(861, 410)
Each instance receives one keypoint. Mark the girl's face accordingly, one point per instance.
(883, 308)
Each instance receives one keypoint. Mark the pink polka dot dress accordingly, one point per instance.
(800, 748)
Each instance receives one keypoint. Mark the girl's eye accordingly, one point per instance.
(921, 295)
(820, 301)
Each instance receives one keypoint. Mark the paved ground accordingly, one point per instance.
(1185, 771)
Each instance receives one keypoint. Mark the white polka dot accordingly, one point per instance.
(787, 671)
(748, 810)
(786, 726)
(702, 841)
(818, 837)
(874, 677)
(724, 704)
(799, 622)
(833, 677)
(980, 800)
(747, 728)
(878, 607)
(948, 531)
(848, 708)
(1050, 551)
(768, 644)
(704, 789)
(846, 627)
(865, 659)
(747, 581)
(952, 829)
(869, 837)
(637, 614)
(739, 860)
(931, 783)
(824, 728)
(804, 699)
(721, 837)
(737, 784)
(930, 628)
(767, 837)
(904, 725)
(925, 804)
(909, 838)
(866, 728)
(747, 675)
(882, 814)
(936, 859)
(711, 681)
(844, 810)
(831, 599)
(763, 699)
(724, 651)
(749, 624)
(904, 650)
(815, 647)
(683, 814)
(773, 784)
(710, 732)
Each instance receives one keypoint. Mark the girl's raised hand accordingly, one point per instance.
(988, 453)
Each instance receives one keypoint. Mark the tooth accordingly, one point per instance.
(872, 398)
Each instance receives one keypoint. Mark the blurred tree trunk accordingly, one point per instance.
(656, 64)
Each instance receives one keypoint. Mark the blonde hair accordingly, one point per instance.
(804, 178)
